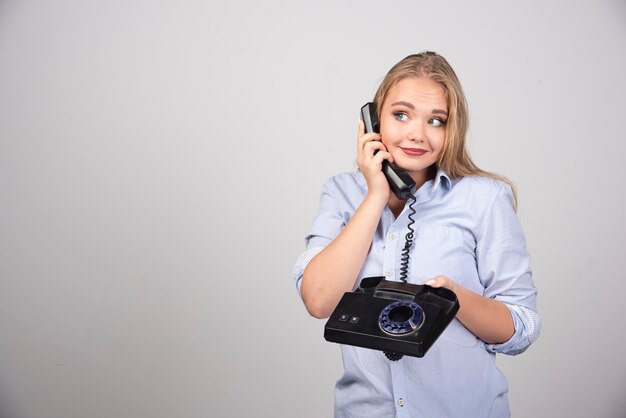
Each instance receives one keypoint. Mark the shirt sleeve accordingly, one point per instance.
(504, 270)
(527, 324)
(302, 262)
(326, 227)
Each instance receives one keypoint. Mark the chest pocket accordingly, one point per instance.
(441, 251)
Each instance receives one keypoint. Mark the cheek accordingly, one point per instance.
(439, 142)
(389, 136)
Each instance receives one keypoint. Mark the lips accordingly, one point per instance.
(414, 152)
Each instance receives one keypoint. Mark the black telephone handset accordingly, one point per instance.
(399, 180)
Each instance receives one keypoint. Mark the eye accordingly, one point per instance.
(436, 122)
(401, 116)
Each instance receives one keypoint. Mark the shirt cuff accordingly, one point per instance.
(527, 329)
(302, 262)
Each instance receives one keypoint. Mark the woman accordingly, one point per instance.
(467, 239)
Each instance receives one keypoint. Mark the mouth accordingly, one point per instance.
(414, 152)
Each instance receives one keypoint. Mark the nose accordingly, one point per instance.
(417, 131)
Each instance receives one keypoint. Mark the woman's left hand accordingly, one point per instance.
(488, 319)
(442, 281)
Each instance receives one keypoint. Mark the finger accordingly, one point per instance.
(371, 146)
(374, 154)
(370, 136)
(377, 161)
(371, 155)
(361, 127)
(366, 139)
(432, 283)
(378, 149)
(438, 281)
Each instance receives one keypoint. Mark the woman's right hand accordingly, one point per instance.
(370, 165)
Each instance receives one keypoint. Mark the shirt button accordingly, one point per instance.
(393, 235)
(388, 273)
(400, 402)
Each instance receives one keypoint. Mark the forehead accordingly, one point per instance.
(423, 91)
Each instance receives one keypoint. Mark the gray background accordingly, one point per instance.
(161, 161)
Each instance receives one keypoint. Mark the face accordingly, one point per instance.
(413, 124)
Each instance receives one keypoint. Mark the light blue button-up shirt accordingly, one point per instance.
(465, 229)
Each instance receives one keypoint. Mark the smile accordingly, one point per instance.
(414, 152)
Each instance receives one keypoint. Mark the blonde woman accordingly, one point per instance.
(467, 239)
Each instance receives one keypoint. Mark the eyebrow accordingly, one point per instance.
(410, 106)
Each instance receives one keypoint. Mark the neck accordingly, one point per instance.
(422, 176)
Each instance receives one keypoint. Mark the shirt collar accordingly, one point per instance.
(442, 179)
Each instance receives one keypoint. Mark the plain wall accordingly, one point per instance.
(161, 161)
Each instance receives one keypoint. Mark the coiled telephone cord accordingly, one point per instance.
(408, 242)
(404, 260)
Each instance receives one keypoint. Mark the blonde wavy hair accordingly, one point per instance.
(454, 158)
